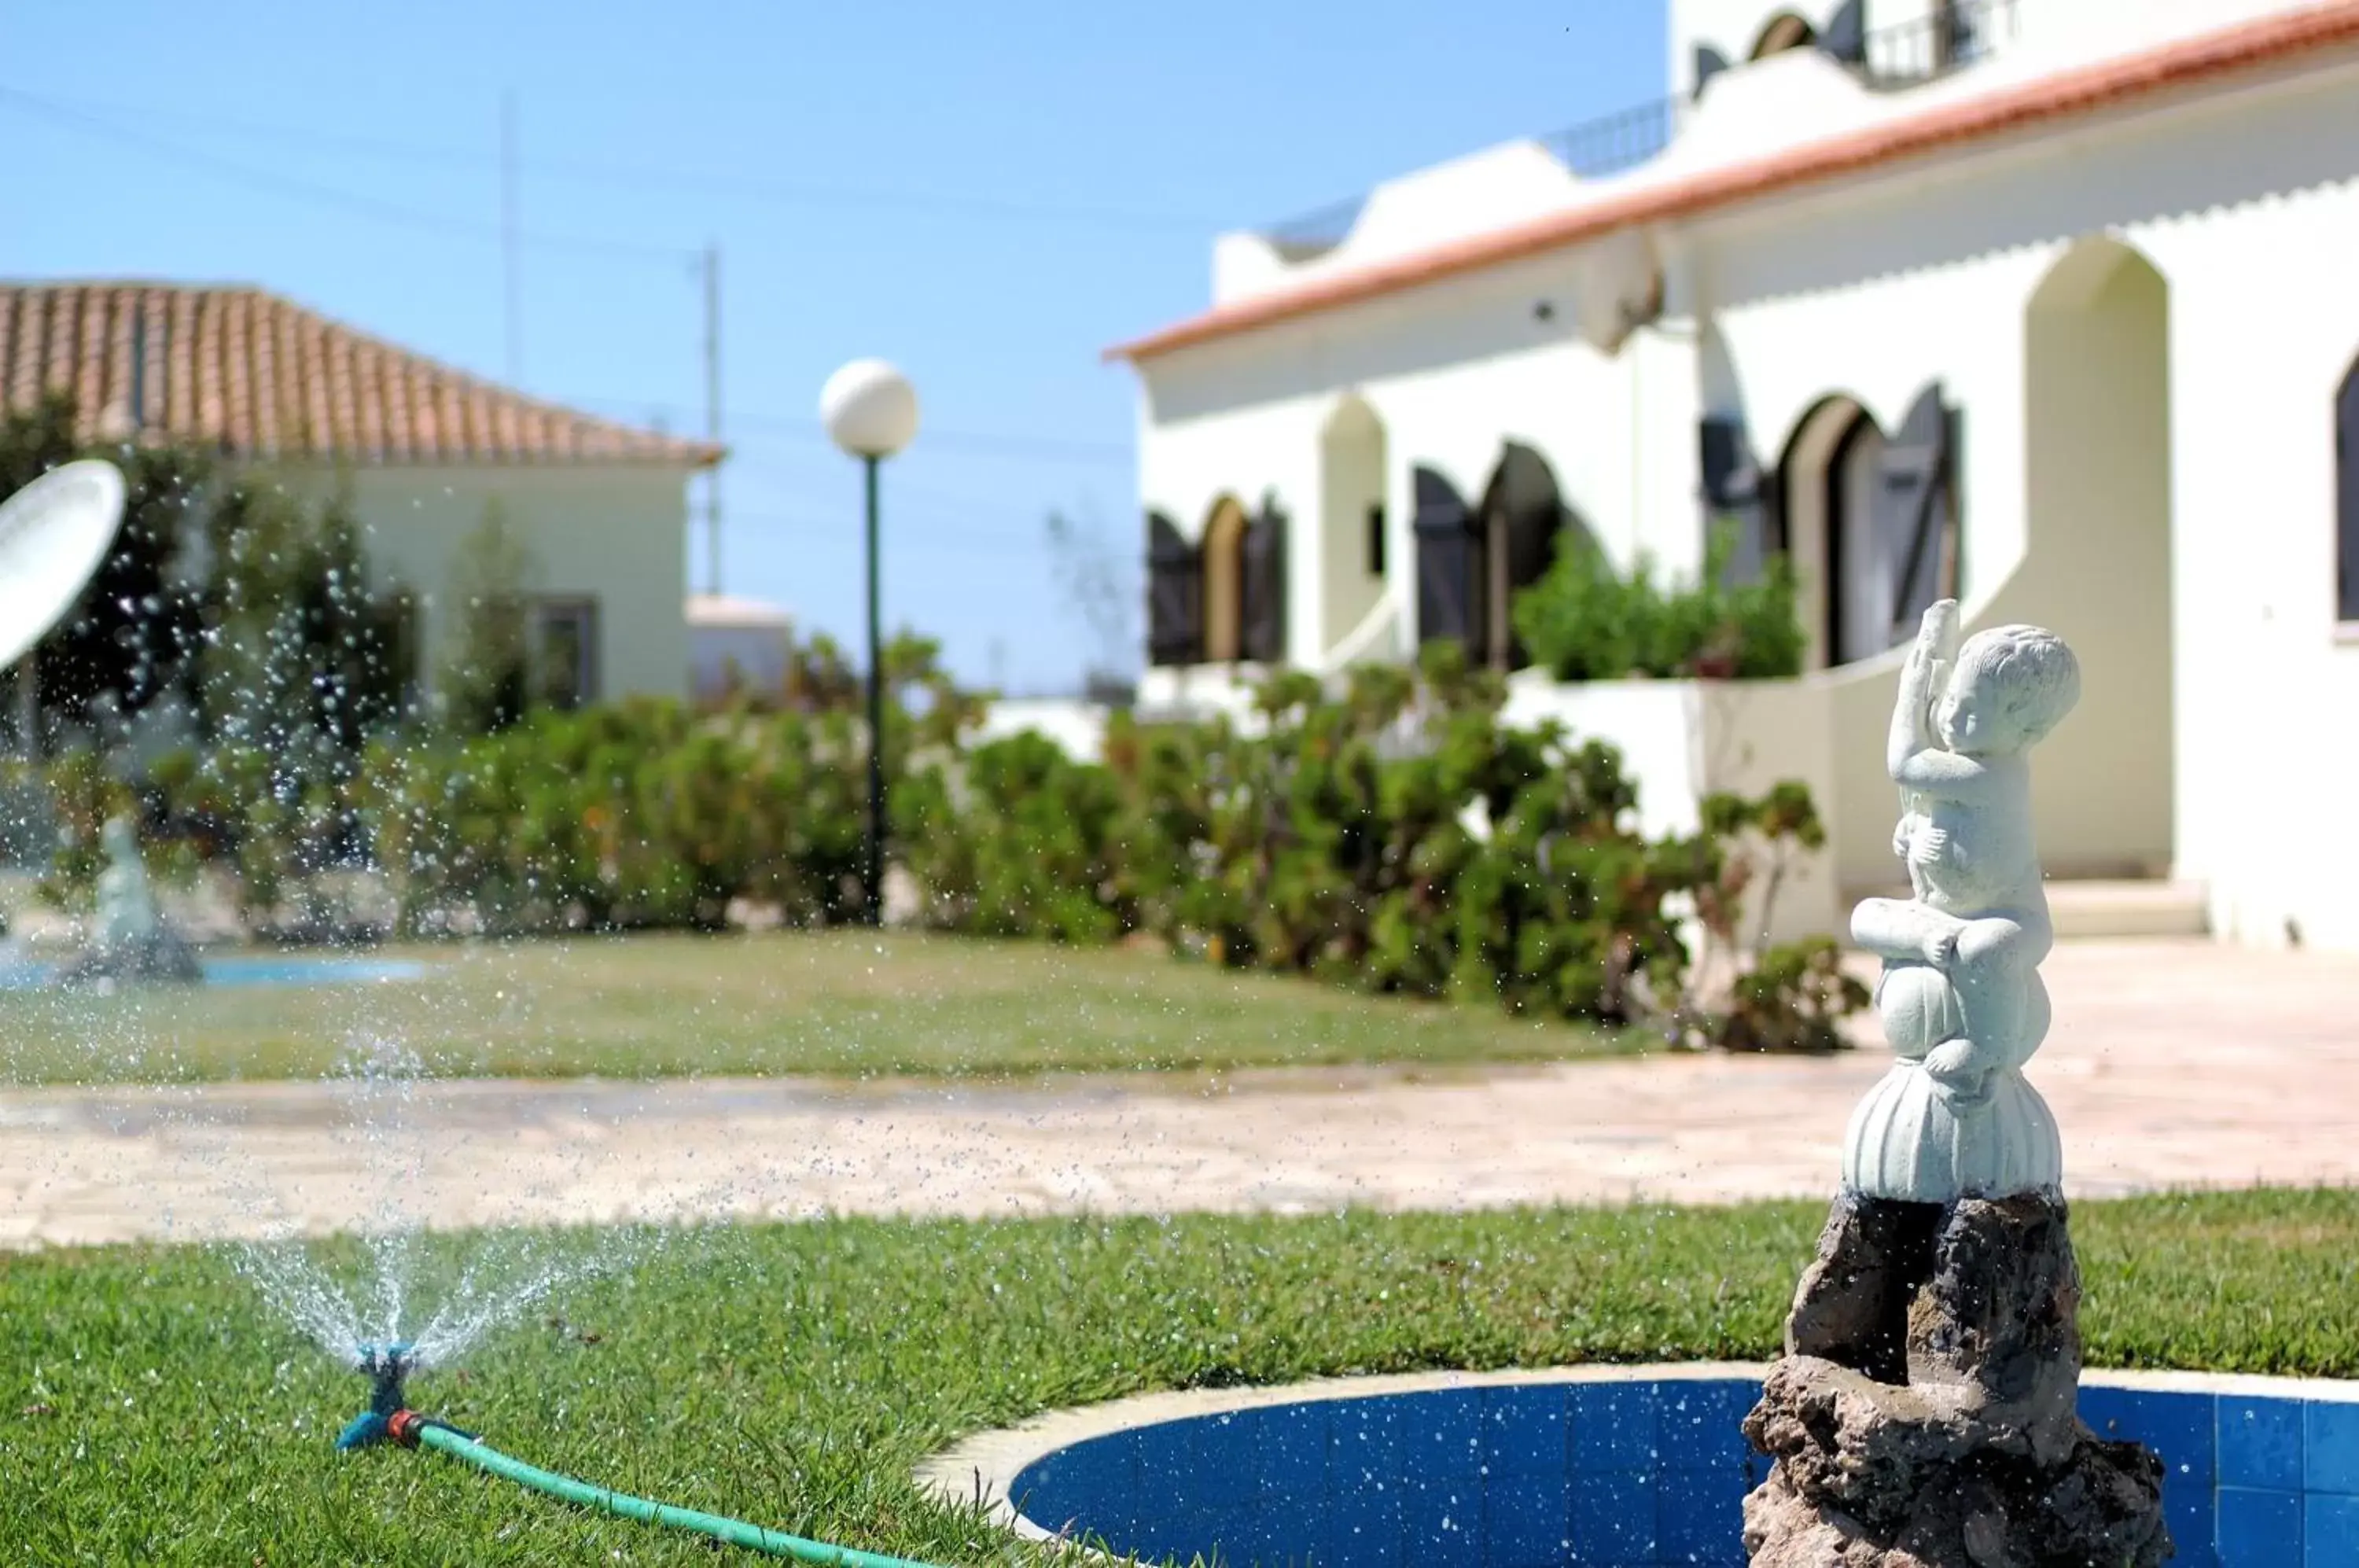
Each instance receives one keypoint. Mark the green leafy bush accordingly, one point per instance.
(1585, 621)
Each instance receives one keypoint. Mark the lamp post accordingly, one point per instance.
(871, 411)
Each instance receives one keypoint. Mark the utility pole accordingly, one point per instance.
(713, 415)
(513, 274)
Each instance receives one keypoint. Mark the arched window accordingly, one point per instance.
(1784, 31)
(2346, 497)
(1523, 516)
(1875, 516)
(1224, 582)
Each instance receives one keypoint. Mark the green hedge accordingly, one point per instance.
(1395, 836)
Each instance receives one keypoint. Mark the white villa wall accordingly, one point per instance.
(1451, 377)
(617, 534)
(2246, 208)
(2197, 582)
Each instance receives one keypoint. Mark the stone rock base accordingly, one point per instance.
(1924, 1413)
(163, 959)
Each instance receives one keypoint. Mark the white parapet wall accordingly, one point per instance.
(1682, 740)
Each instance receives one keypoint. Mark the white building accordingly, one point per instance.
(2050, 304)
(736, 644)
(422, 452)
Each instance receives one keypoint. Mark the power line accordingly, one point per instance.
(308, 190)
(647, 177)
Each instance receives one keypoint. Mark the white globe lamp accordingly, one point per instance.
(870, 408)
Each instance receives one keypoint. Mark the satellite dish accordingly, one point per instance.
(54, 536)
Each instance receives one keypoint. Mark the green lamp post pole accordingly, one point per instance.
(871, 412)
(871, 877)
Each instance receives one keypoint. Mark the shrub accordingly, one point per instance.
(1583, 621)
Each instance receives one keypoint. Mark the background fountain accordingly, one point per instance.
(130, 942)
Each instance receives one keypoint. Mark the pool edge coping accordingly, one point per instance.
(981, 1466)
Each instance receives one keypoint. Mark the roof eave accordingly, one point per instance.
(2080, 90)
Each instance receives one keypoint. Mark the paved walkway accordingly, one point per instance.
(2171, 1063)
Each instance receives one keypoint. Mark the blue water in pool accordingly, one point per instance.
(251, 971)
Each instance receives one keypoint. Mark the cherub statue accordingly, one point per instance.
(1961, 998)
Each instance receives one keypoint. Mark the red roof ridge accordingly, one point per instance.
(261, 375)
(2074, 90)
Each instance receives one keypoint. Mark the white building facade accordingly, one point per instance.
(2049, 305)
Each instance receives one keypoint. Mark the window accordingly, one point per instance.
(564, 652)
(1375, 539)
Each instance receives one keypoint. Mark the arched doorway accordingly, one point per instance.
(1352, 528)
(1872, 521)
(1224, 584)
(2096, 566)
(1521, 517)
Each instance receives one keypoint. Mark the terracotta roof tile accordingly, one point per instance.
(2080, 90)
(256, 375)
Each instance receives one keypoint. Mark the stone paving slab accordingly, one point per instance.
(2171, 1063)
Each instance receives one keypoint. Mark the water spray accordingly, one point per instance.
(389, 1420)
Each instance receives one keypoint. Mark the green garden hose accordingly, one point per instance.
(411, 1430)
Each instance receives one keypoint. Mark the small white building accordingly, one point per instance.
(2051, 305)
(736, 645)
(421, 451)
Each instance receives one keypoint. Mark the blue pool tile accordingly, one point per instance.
(2330, 1531)
(1364, 1445)
(1442, 1520)
(1293, 1449)
(2329, 1448)
(1701, 1425)
(1083, 1473)
(1523, 1433)
(1614, 1520)
(2257, 1528)
(1612, 1426)
(1363, 1530)
(2260, 1443)
(2192, 1516)
(1443, 1433)
(2182, 1428)
(1526, 1521)
(1700, 1517)
(1221, 1454)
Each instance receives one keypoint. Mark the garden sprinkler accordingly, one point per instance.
(388, 1368)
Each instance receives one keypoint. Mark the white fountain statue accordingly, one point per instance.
(1961, 998)
(1924, 1414)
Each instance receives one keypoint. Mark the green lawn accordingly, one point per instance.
(851, 1002)
(150, 1410)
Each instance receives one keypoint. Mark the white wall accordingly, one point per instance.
(1453, 374)
(615, 533)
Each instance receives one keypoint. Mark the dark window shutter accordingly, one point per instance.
(1709, 63)
(1263, 635)
(2347, 498)
(1448, 574)
(1736, 491)
(1844, 37)
(1914, 518)
(1174, 596)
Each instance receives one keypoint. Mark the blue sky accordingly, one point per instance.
(987, 194)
